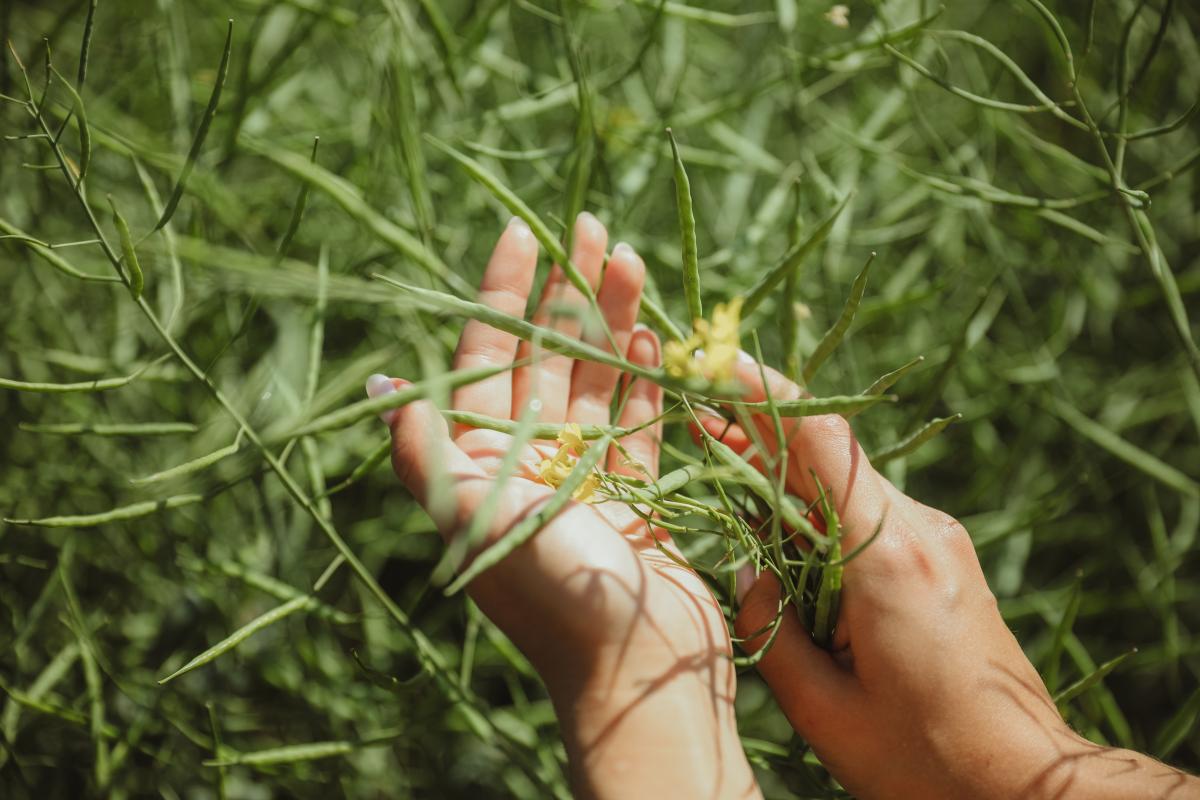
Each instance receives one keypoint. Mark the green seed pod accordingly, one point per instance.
(128, 254)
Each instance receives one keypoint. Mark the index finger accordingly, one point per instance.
(822, 445)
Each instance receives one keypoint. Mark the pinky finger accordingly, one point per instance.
(644, 403)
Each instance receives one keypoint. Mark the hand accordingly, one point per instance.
(631, 645)
(926, 693)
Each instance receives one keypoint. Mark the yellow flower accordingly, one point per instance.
(721, 347)
(586, 493)
(572, 437)
(678, 357)
(727, 318)
(553, 471)
(711, 351)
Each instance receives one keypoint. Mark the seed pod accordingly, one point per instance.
(687, 231)
(128, 254)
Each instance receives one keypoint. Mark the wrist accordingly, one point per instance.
(647, 728)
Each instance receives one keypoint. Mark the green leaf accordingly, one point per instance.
(791, 260)
(300, 603)
(1091, 681)
(833, 336)
(1124, 450)
(201, 132)
(910, 443)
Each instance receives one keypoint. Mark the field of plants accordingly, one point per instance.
(212, 584)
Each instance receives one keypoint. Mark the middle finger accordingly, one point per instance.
(562, 308)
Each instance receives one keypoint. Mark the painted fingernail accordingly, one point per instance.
(743, 579)
(623, 250)
(517, 222)
(378, 386)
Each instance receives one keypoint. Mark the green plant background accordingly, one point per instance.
(1056, 329)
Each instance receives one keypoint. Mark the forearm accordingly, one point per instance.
(1088, 771)
(647, 739)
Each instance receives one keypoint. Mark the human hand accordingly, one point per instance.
(631, 645)
(926, 693)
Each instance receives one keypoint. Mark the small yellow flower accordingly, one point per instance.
(711, 351)
(572, 437)
(678, 357)
(721, 349)
(586, 493)
(553, 471)
(727, 317)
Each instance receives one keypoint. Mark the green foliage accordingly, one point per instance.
(1024, 172)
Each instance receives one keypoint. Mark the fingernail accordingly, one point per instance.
(743, 579)
(587, 217)
(517, 222)
(745, 357)
(378, 386)
(623, 250)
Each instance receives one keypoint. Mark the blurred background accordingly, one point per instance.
(1044, 268)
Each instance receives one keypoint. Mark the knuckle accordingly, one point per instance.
(507, 297)
(832, 428)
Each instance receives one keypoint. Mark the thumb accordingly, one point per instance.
(815, 694)
(426, 460)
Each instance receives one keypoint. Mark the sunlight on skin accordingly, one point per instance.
(632, 647)
(927, 694)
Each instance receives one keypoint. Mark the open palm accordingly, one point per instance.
(593, 600)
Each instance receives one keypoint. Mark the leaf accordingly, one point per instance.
(352, 202)
(1065, 624)
(1175, 731)
(540, 231)
(791, 260)
(833, 336)
(1091, 681)
(889, 379)
(913, 441)
(1124, 450)
(195, 465)
(201, 132)
(300, 603)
